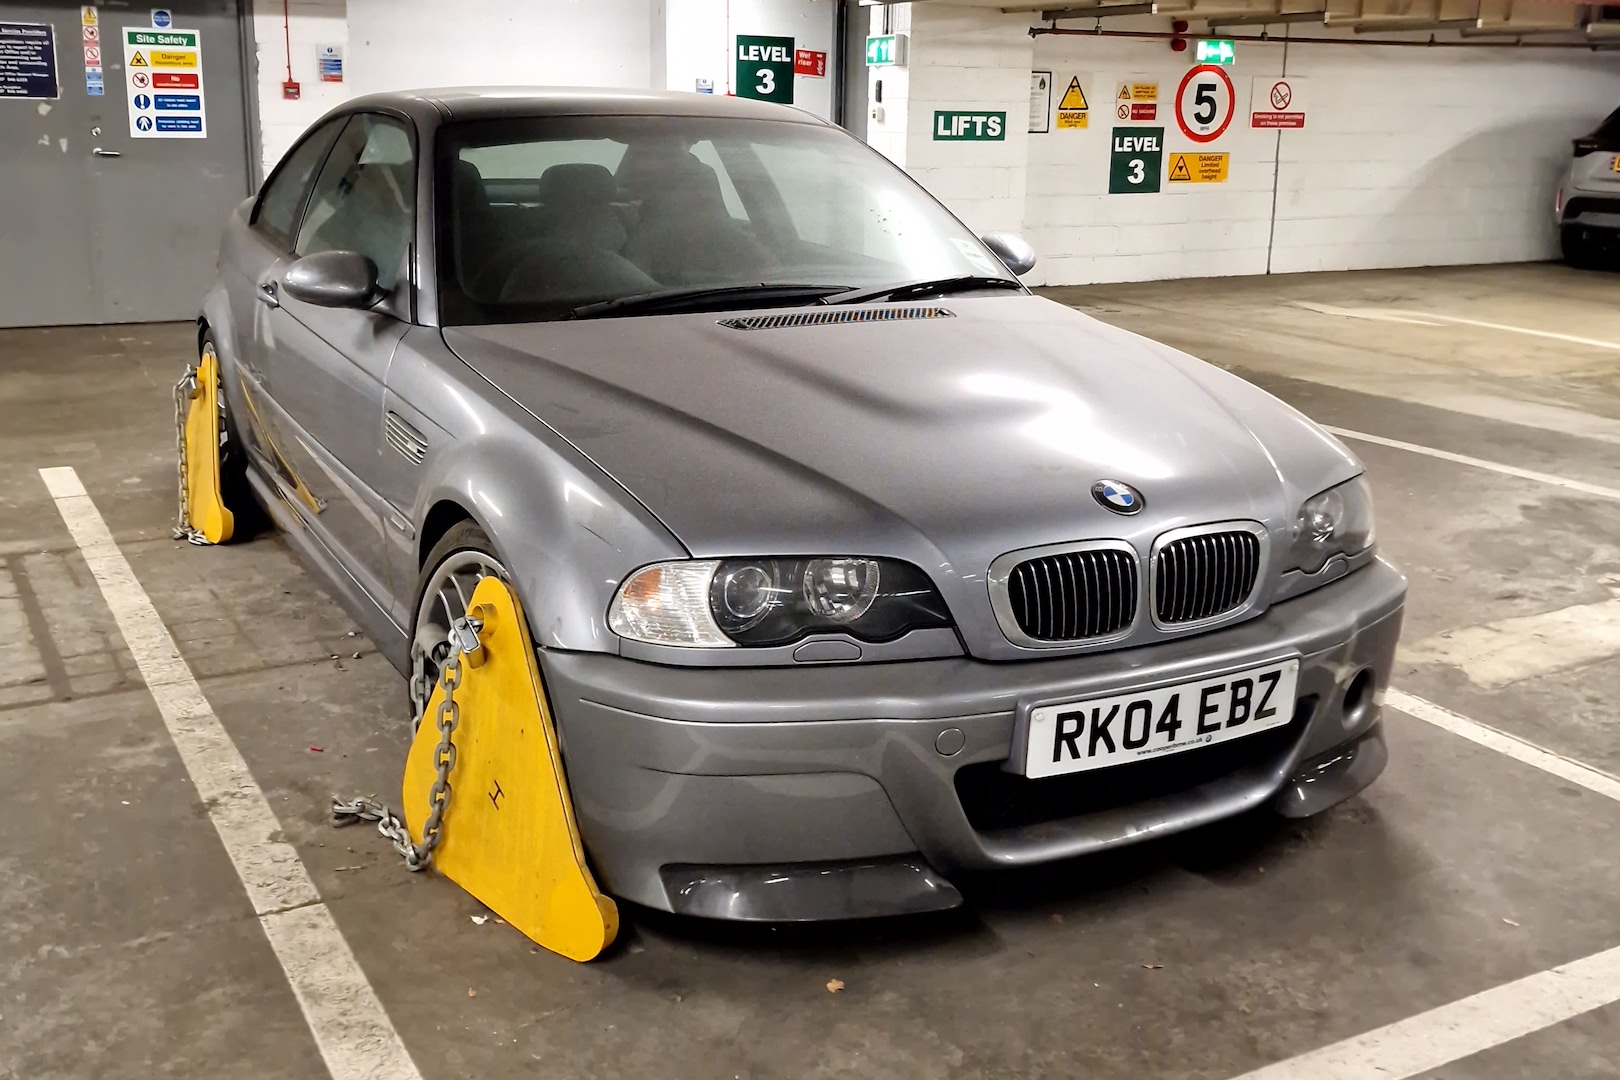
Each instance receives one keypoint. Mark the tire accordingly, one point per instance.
(462, 556)
(1579, 247)
(234, 489)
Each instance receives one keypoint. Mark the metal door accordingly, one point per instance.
(98, 225)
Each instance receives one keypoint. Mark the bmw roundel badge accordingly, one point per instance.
(1118, 496)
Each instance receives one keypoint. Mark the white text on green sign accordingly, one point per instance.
(754, 53)
(969, 126)
(159, 37)
(885, 50)
(1217, 51)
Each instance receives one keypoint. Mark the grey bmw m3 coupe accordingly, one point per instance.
(851, 565)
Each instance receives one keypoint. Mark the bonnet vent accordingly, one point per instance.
(834, 318)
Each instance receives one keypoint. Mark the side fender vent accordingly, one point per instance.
(835, 318)
(410, 443)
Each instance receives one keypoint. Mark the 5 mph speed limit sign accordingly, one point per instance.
(1205, 103)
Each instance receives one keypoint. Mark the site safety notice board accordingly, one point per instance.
(164, 80)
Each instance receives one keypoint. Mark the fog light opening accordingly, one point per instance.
(1358, 698)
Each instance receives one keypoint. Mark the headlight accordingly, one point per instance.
(759, 602)
(1339, 521)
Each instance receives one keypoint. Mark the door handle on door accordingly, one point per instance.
(99, 152)
(267, 294)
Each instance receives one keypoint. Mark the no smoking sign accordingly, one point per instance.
(1205, 102)
(1278, 103)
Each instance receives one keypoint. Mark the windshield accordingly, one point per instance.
(539, 217)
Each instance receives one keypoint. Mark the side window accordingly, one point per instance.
(283, 196)
(365, 198)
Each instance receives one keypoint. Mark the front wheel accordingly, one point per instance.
(461, 559)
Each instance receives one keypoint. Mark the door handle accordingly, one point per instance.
(99, 152)
(267, 294)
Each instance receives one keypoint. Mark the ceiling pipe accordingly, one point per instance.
(1267, 18)
(1099, 11)
(1265, 39)
(1379, 26)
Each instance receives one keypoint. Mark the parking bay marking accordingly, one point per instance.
(1514, 747)
(1463, 1028)
(350, 1026)
(1430, 318)
(1501, 1014)
(1480, 463)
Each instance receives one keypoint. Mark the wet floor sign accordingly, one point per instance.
(509, 835)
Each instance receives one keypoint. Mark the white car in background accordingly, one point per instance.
(1589, 197)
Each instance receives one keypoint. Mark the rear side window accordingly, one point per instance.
(283, 197)
(365, 199)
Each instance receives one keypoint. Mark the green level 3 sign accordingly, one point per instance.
(765, 68)
(959, 126)
(1136, 161)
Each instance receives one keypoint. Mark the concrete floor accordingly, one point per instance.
(128, 947)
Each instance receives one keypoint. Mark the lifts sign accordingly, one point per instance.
(951, 126)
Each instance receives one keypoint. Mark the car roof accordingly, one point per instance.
(492, 102)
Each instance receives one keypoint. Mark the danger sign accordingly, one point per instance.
(1137, 100)
(1199, 168)
(1073, 109)
(1278, 103)
(1205, 102)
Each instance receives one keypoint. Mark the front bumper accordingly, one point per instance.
(832, 791)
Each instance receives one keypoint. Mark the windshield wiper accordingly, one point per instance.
(707, 298)
(911, 290)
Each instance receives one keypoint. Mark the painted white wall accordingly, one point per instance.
(1409, 156)
(699, 35)
(401, 44)
(311, 23)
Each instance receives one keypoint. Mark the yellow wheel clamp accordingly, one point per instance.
(509, 835)
(203, 518)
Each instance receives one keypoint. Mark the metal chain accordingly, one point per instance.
(183, 393)
(463, 639)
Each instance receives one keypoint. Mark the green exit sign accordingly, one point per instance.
(886, 50)
(1217, 51)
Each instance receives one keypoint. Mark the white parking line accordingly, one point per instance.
(350, 1026)
(1462, 1028)
(1474, 1024)
(1514, 747)
(1430, 318)
(1480, 463)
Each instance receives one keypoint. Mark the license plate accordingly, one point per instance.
(1096, 733)
(1614, 163)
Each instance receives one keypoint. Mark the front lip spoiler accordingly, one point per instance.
(808, 892)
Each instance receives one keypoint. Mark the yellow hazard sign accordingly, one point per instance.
(1072, 108)
(138, 61)
(1074, 97)
(171, 58)
(1199, 168)
(1144, 91)
(1124, 92)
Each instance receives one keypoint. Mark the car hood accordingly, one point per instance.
(944, 441)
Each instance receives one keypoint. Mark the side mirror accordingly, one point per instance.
(333, 279)
(1011, 249)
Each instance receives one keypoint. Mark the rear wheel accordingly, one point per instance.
(1580, 246)
(461, 559)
